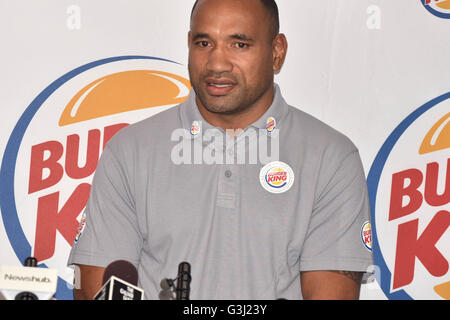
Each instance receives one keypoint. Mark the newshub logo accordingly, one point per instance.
(13, 277)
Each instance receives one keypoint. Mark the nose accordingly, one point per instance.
(218, 61)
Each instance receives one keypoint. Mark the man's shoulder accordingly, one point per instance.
(155, 124)
(149, 129)
(317, 133)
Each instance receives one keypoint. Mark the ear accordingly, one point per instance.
(279, 48)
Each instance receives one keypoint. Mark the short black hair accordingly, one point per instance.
(271, 7)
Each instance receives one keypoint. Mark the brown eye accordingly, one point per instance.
(241, 45)
(203, 44)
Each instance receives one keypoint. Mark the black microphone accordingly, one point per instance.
(120, 282)
(183, 281)
(31, 262)
(26, 295)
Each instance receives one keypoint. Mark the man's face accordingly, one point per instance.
(230, 55)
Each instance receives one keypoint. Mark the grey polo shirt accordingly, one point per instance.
(246, 228)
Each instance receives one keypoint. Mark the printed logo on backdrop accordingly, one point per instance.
(439, 8)
(409, 189)
(54, 148)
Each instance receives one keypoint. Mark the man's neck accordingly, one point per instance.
(239, 120)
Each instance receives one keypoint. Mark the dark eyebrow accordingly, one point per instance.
(200, 36)
(240, 36)
(236, 36)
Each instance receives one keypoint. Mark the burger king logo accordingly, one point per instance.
(80, 227)
(409, 188)
(52, 153)
(366, 235)
(195, 128)
(276, 177)
(271, 124)
(439, 8)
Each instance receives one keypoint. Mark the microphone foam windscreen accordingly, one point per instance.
(123, 270)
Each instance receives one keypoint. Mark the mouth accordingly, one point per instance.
(216, 87)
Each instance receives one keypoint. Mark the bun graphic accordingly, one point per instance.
(125, 91)
(438, 138)
(444, 4)
(443, 290)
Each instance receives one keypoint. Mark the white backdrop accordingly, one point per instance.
(362, 66)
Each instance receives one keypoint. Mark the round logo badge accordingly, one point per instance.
(271, 124)
(276, 177)
(81, 227)
(366, 235)
(196, 128)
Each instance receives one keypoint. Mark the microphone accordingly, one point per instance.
(183, 288)
(28, 282)
(166, 284)
(31, 262)
(166, 293)
(123, 270)
(120, 282)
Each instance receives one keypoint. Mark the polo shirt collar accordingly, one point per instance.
(277, 111)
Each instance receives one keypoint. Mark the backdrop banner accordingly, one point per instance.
(76, 72)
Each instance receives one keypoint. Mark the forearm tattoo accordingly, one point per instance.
(355, 276)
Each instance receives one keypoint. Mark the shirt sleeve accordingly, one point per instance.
(334, 239)
(111, 231)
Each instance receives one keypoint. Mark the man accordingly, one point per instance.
(289, 228)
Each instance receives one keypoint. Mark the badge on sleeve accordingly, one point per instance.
(81, 227)
(276, 177)
(366, 235)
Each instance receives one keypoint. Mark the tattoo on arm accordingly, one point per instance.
(355, 276)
